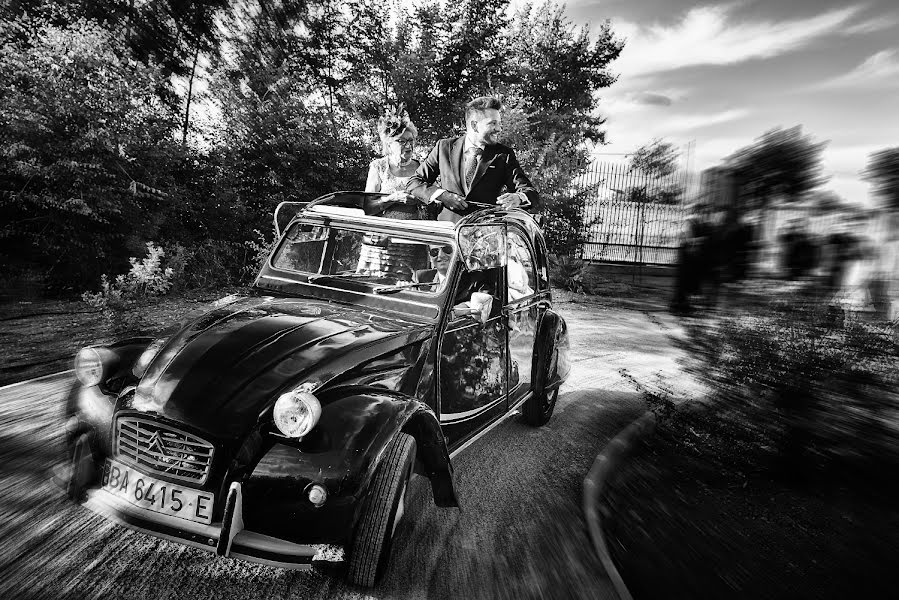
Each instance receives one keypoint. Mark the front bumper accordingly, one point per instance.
(225, 538)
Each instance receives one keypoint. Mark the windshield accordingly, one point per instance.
(338, 255)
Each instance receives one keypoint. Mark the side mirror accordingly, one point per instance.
(482, 246)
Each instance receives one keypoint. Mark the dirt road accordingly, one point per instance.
(520, 533)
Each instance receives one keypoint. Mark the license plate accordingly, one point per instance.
(159, 496)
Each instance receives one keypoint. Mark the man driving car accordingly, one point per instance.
(484, 281)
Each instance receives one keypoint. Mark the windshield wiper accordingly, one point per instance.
(392, 289)
(341, 275)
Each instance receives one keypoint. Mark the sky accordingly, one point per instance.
(717, 76)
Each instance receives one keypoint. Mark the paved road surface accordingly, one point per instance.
(520, 533)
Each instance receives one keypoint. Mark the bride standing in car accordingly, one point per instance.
(389, 174)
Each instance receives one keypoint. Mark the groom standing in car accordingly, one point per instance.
(474, 169)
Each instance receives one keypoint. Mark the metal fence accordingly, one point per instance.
(632, 216)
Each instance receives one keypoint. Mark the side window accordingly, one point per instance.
(521, 271)
(302, 248)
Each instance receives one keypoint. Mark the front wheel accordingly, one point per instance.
(382, 510)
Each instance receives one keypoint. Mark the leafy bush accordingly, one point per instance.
(119, 298)
(823, 387)
(568, 273)
(211, 263)
(83, 130)
(261, 248)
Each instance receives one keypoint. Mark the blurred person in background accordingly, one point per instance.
(851, 265)
(736, 247)
(800, 253)
(697, 260)
(843, 248)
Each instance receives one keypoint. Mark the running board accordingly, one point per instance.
(513, 411)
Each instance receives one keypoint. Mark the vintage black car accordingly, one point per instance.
(368, 349)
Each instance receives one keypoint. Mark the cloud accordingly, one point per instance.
(879, 70)
(627, 130)
(618, 100)
(684, 123)
(653, 99)
(871, 26)
(708, 35)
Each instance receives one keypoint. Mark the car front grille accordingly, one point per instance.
(162, 449)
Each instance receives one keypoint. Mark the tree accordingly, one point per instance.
(657, 162)
(168, 34)
(285, 132)
(657, 158)
(90, 167)
(883, 172)
(87, 148)
(782, 164)
(551, 83)
(470, 57)
(558, 73)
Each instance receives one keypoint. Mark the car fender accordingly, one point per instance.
(378, 416)
(552, 333)
(356, 425)
(118, 361)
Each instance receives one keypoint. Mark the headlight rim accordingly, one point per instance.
(81, 373)
(302, 394)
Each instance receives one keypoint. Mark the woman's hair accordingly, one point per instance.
(393, 124)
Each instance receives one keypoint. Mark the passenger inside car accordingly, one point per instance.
(518, 279)
(441, 258)
(484, 282)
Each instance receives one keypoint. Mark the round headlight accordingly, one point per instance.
(89, 366)
(296, 413)
(144, 360)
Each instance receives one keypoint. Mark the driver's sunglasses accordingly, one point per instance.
(406, 143)
(446, 250)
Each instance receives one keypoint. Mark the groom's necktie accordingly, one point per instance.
(471, 164)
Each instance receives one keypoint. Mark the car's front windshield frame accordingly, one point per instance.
(416, 231)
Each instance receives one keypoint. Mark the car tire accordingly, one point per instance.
(539, 407)
(82, 470)
(381, 511)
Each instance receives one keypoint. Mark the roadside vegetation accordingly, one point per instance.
(776, 484)
(185, 126)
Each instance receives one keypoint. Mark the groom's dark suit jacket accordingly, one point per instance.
(497, 172)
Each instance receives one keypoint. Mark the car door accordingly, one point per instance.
(474, 360)
(522, 312)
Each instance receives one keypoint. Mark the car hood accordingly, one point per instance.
(221, 371)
